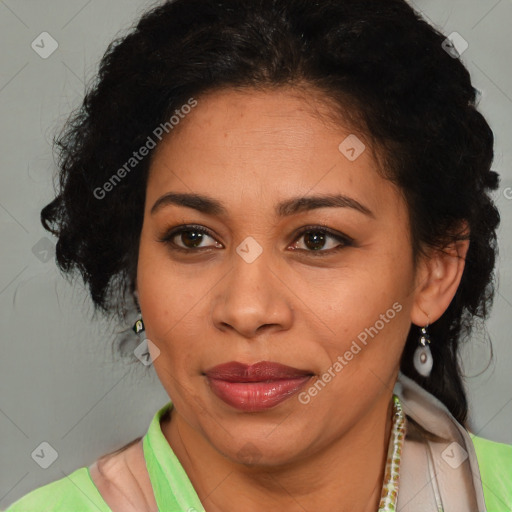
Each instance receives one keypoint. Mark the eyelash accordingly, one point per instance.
(345, 240)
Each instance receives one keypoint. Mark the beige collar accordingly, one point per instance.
(435, 475)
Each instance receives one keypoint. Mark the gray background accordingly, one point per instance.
(59, 381)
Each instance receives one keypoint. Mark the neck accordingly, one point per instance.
(346, 475)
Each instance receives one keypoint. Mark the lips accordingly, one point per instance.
(255, 387)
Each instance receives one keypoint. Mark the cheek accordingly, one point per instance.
(157, 291)
(361, 293)
(168, 314)
(369, 318)
(158, 280)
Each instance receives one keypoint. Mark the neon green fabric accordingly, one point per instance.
(495, 464)
(77, 492)
(167, 473)
(175, 493)
(74, 493)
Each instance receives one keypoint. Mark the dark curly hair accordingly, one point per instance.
(379, 61)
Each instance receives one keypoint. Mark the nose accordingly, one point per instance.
(252, 299)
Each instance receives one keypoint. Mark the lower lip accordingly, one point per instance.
(256, 396)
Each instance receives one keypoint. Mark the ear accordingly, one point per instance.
(437, 278)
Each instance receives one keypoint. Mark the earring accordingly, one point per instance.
(138, 327)
(423, 360)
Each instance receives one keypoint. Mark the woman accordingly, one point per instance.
(296, 196)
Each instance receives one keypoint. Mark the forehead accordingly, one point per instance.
(281, 118)
(261, 145)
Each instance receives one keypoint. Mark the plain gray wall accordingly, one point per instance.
(59, 381)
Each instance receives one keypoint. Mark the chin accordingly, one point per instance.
(259, 450)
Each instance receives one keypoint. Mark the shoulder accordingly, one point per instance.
(495, 464)
(116, 481)
(75, 491)
(488, 451)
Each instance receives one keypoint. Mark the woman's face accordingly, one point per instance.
(255, 289)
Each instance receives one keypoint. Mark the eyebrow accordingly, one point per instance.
(292, 206)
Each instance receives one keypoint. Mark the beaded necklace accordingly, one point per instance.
(389, 493)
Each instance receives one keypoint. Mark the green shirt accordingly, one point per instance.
(495, 463)
(174, 491)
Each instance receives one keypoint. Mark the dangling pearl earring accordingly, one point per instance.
(423, 360)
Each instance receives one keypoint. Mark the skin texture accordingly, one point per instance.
(250, 150)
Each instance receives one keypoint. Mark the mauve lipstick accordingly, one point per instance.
(255, 387)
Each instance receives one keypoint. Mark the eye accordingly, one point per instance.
(316, 237)
(191, 238)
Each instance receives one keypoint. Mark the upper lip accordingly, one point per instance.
(235, 371)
